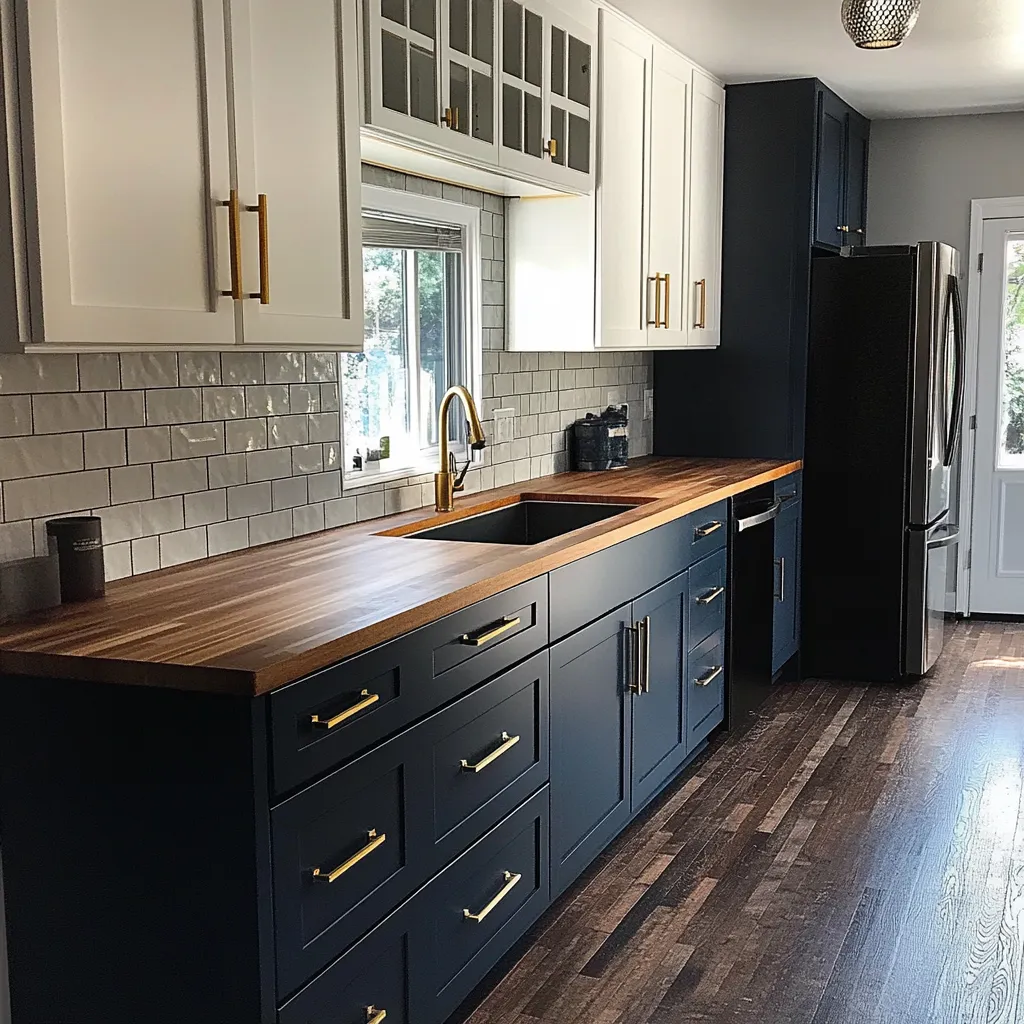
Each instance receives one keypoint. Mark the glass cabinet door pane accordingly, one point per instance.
(458, 96)
(483, 107)
(579, 144)
(511, 117)
(579, 72)
(422, 85)
(534, 49)
(512, 39)
(557, 61)
(458, 25)
(558, 135)
(483, 30)
(393, 10)
(421, 17)
(394, 87)
(533, 126)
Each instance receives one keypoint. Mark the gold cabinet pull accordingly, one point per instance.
(260, 209)
(375, 1016)
(667, 301)
(330, 723)
(451, 118)
(709, 677)
(490, 633)
(706, 530)
(551, 148)
(656, 281)
(235, 244)
(702, 317)
(844, 228)
(507, 743)
(332, 876)
(511, 881)
(711, 595)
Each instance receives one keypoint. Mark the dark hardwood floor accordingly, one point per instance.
(858, 856)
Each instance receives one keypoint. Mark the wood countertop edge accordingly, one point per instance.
(291, 667)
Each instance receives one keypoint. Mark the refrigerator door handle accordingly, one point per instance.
(947, 540)
(959, 385)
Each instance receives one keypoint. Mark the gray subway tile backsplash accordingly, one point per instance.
(194, 454)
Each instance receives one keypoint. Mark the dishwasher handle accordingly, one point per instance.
(759, 518)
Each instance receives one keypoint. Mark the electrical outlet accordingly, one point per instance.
(504, 425)
(648, 404)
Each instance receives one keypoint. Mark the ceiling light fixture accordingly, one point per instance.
(879, 24)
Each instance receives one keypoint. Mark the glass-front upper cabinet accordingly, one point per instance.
(404, 64)
(468, 81)
(547, 93)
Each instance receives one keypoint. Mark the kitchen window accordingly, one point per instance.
(421, 279)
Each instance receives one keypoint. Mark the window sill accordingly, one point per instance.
(354, 480)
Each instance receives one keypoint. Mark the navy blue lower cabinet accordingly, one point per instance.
(591, 730)
(705, 689)
(658, 705)
(786, 623)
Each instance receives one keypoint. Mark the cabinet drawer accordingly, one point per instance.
(372, 977)
(331, 716)
(707, 598)
(423, 806)
(483, 902)
(709, 530)
(705, 688)
(789, 488)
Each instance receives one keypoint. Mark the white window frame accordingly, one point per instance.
(427, 209)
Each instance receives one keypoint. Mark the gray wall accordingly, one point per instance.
(925, 171)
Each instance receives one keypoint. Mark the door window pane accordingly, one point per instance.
(458, 25)
(579, 144)
(483, 107)
(394, 88)
(557, 61)
(421, 17)
(533, 126)
(393, 10)
(432, 296)
(459, 96)
(422, 85)
(579, 71)
(511, 118)
(483, 30)
(1011, 432)
(512, 39)
(534, 49)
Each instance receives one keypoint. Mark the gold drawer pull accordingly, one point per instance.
(375, 1016)
(330, 723)
(333, 876)
(489, 632)
(708, 678)
(706, 530)
(507, 743)
(712, 595)
(511, 881)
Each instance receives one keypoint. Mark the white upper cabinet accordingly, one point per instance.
(501, 86)
(704, 222)
(125, 230)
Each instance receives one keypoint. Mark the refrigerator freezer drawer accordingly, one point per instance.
(929, 557)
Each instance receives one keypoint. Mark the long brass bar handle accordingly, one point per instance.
(235, 244)
(706, 530)
(260, 209)
(332, 876)
(375, 1016)
(511, 881)
(702, 320)
(330, 723)
(490, 632)
(507, 743)
(708, 678)
(711, 595)
(656, 281)
(668, 303)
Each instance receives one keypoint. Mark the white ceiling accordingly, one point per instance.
(963, 56)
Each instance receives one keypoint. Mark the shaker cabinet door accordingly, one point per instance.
(129, 128)
(830, 205)
(571, 123)
(857, 179)
(297, 130)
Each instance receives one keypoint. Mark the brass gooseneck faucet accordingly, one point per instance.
(447, 481)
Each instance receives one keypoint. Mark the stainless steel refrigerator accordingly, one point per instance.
(884, 404)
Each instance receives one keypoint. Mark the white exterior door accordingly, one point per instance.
(997, 527)
(130, 125)
(297, 130)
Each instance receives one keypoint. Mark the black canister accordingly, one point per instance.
(78, 544)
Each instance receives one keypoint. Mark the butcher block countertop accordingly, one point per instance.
(249, 622)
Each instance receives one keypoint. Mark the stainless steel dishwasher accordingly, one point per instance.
(751, 603)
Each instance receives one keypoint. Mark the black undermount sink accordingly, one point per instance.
(526, 522)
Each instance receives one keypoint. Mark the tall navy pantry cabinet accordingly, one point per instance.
(795, 183)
